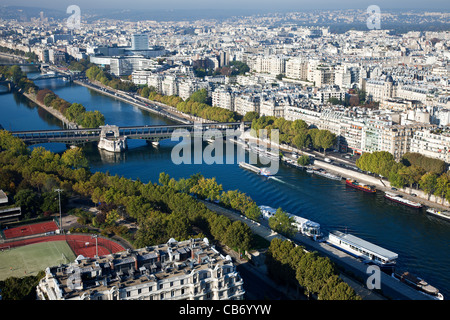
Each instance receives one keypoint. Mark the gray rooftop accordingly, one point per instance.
(366, 245)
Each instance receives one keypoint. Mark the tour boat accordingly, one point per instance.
(262, 171)
(360, 186)
(399, 199)
(368, 252)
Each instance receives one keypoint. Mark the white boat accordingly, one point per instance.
(399, 199)
(304, 226)
(326, 174)
(368, 252)
(265, 172)
(267, 212)
(307, 227)
(441, 214)
(262, 171)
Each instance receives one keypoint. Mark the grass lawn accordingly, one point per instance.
(30, 259)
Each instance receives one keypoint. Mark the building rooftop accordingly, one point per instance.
(134, 267)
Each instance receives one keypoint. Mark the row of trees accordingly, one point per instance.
(95, 73)
(31, 56)
(413, 169)
(291, 265)
(18, 77)
(161, 211)
(209, 189)
(74, 112)
(196, 105)
(296, 133)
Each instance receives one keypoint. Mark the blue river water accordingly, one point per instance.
(421, 241)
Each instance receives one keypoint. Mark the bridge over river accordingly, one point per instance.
(153, 133)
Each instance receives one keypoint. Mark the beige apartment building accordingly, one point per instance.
(187, 270)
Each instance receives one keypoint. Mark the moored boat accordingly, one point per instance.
(360, 186)
(418, 284)
(440, 214)
(326, 174)
(399, 199)
(366, 251)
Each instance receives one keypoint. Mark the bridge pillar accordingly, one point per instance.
(114, 144)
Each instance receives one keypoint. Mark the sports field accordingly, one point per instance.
(30, 259)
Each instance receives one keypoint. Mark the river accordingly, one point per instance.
(421, 241)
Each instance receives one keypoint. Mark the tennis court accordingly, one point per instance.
(30, 259)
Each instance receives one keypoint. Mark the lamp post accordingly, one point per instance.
(96, 244)
(60, 219)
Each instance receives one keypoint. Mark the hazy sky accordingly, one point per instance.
(275, 5)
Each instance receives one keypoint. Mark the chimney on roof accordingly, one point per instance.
(135, 263)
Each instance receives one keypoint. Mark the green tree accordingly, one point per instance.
(74, 111)
(29, 201)
(303, 160)
(336, 289)
(207, 189)
(164, 179)
(249, 116)
(200, 96)
(324, 139)
(238, 236)
(428, 183)
(442, 186)
(283, 223)
(74, 158)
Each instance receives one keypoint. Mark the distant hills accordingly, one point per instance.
(401, 21)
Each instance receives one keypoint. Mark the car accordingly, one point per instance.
(413, 195)
(395, 189)
(327, 160)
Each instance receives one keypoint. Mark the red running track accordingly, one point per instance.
(31, 229)
(80, 244)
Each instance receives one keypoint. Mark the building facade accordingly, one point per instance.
(187, 270)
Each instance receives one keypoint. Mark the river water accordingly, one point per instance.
(421, 241)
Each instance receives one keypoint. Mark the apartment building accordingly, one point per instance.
(187, 270)
(432, 143)
(244, 103)
(379, 90)
(297, 68)
(323, 75)
(223, 98)
(272, 65)
(272, 107)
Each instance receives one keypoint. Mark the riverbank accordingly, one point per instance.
(167, 112)
(53, 112)
(355, 270)
(380, 184)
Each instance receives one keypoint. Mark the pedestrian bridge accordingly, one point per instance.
(153, 133)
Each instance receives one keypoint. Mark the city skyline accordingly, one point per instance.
(266, 5)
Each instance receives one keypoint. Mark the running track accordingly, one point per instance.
(80, 244)
(31, 229)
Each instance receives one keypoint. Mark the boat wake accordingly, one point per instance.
(284, 182)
